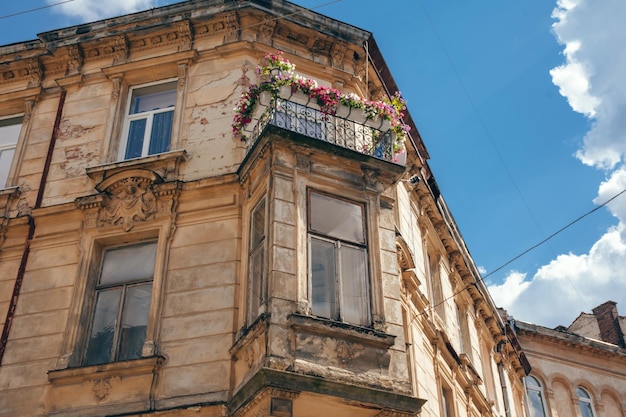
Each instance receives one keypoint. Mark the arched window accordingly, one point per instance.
(536, 400)
(585, 403)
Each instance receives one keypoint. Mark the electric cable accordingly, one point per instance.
(567, 226)
(36, 9)
(490, 139)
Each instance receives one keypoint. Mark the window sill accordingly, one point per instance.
(331, 328)
(164, 164)
(7, 194)
(247, 335)
(123, 369)
(111, 388)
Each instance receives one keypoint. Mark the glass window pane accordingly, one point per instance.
(585, 409)
(10, 130)
(161, 134)
(337, 218)
(6, 157)
(536, 404)
(322, 264)
(256, 288)
(257, 228)
(136, 133)
(134, 321)
(354, 293)
(582, 393)
(532, 382)
(152, 98)
(100, 346)
(128, 263)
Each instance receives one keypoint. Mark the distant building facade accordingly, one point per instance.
(154, 263)
(579, 370)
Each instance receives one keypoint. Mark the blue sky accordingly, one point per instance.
(520, 105)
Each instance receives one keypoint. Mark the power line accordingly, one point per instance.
(567, 226)
(491, 140)
(554, 234)
(36, 9)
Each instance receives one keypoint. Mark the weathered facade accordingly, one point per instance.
(579, 370)
(153, 263)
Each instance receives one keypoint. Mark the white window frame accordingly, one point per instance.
(257, 303)
(585, 400)
(538, 390)
(6, 122)
(123, 285)
(148, 115)
(447, 402)
(339, 243)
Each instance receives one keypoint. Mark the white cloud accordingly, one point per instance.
(568, 285)
(592, 77)
(592, 81)
(573, 80)
(512, 287)
(91, 10)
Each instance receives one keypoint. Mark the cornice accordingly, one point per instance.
(570, 341)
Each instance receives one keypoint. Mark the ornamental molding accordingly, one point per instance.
(128, 198)
(101, 388)
(74, 59)
(260, 405)
(394, 413)
(29, 70)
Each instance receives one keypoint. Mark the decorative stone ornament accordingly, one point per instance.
(128, 198)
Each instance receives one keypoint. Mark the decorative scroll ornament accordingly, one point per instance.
(128, 199)
(101, 388)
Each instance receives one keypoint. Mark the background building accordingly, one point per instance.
(154, 262)
(579, 370)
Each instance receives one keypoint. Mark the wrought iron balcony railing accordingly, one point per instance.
(347, 129)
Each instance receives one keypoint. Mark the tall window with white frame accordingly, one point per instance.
(585, 402)
(536, 401)
(257, 286)
(9, 134)
(459, 327)
(447, 402)
(149, 120)
(122, 304)
(338, 265)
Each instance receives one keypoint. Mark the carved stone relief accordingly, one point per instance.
(120, 49)
(267, 29)
(127, 201)
(231, 27)
(260, 405)
(338, 53)
(101, 388)
(74, 59)
(346, 351)
(184, 33)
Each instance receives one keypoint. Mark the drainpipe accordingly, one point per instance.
(31, 232)
(503, 386)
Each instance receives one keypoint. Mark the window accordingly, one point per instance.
(149, 120)
(435, 271)
(257, 292)
(338, 260)
(447, 402)
(536, 402)
(9, 134)
(461, 322)
(585, 403)
(122, 304)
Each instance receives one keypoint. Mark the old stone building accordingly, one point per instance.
(184, 235)
(579, 370)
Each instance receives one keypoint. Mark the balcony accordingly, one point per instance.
(348, 128)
